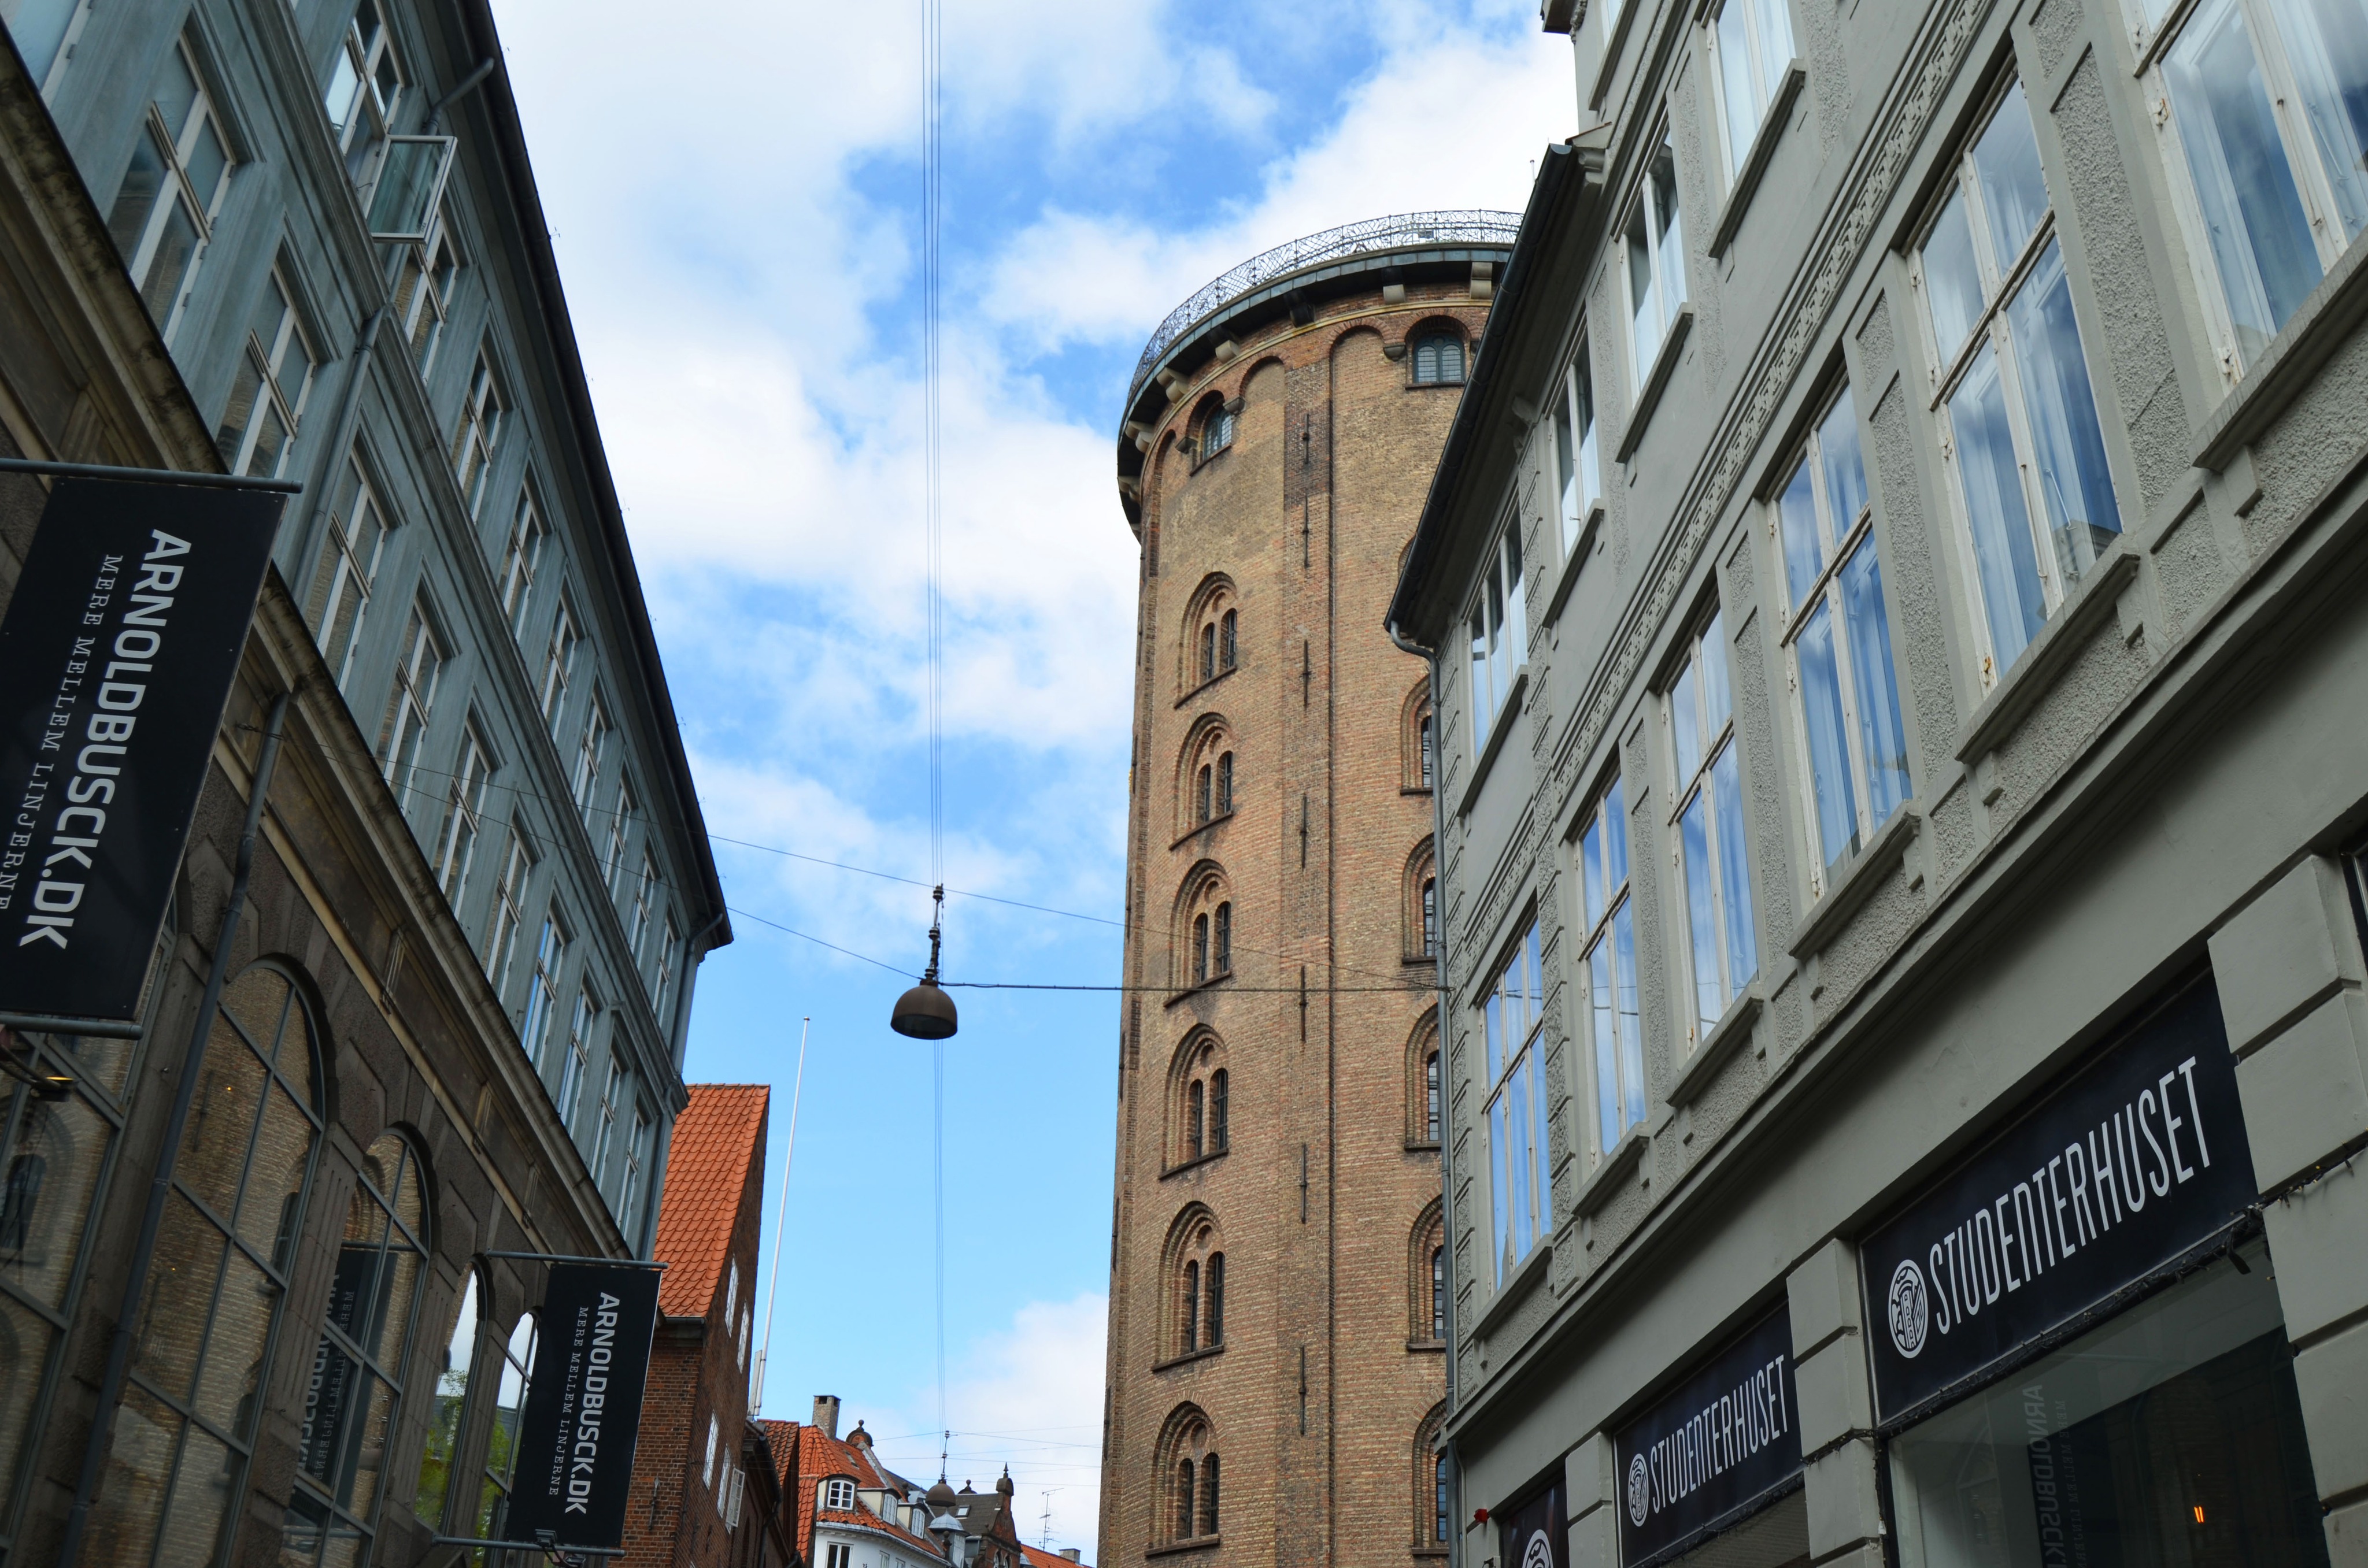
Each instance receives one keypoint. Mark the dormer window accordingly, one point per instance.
(838, 1494)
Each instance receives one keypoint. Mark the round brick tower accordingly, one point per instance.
(1275, 1372)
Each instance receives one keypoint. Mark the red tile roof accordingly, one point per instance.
(718, 1150)
(1039, 1558)
(820, 1457)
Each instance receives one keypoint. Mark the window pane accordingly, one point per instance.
(135, 199)
(1566, 470)
(1517, 1158)
(138, 1464)
(2004, 556)
(1804, 553)
(193, 1520)
(180, 1295)
(2074, 484)
(1632, 1033)
(1821, 709)
(1845, 470)
(1735, 85)
(1500, 1191)
(1701, 911)
(1615, 818)
(1880, 738)
(2327, 44)
(1684, 724)
(2014, 192)
(283, 1148)
(1590, 468)
(1645, 309)
(1734, 871)
(1607, 1047)
(451, 1397)
(230, 1091)
(26, 1352)
(234, 1355)
(37, 27)
(343, 82)
(2259, 236)
(52, 1171)
(1668, 239)
(1540, 1151)
(1775, 23)
(176, 249)
(1718, 699)
(1491, 1028)
(270, 442)
(1953, 282)
(1590, 860)
(207, 165)
(231, 432)
(176, 92)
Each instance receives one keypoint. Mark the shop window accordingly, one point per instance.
(1838, 642)
(502, 1441)
(1512, 1014)
(2264, 111)
(2172, 1433)
(447, 1421)
(1607, 970)
(185, 1430)
(1722, 949)
(2019, 424)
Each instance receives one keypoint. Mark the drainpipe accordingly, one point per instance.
(1446, 1143)
(467, 84)
(143, 1251)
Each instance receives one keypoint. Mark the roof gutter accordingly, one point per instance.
(1563, 175)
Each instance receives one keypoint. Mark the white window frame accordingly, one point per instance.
(349, 573)
(425, 274)
(536, 1022)
(583, 1021)
(1765, 60)
(1606, 916)
(1840, 540)
(707, 1466)
(591, 755)
(477, 438)
(1663, 241)
(616, 1088)
(368, 74)
(177, 190)
(522, 558)
(1694, 780)
(464, 809)
(419, 664)
(645, 886)
(260, 387)
(621, 828)
(671, 939)
(637, 1159)
(838, 1495)
(559, 662)
(1497, 622)
(1950, 365)
(1516, 1071)
(509, 908)
(1576, 449)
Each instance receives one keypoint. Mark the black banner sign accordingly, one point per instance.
(1713, 1447)
(116, 659)
(2137, 1157)
(583, 1407)
(1536, 1534)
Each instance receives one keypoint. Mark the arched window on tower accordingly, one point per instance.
(1439, 1293)
(1220, 1091)
(1216, 431)
(1438, 1506)
(1430, 1096)
(1430, 918)
(1201, 794)
(1208, 1495)
(1195, 1268)
(1225, 806)
(1190, 1316)
(1200, 1100)
(1186, 1458)
(1433, 1510)
(1194, 1147)
(1214, 1323)
(1204, 928)
(1223, 957)
(1438, 359)
(1228, 640)
(1186, 1499)
(1209, 652)
(1200, 948)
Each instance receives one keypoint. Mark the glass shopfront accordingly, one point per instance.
(2172, 1435)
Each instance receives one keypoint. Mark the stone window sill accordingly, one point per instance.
(2320, 327)
(1498, 728)
(1729, 1032)
(1198, 1543)
(1196, 1162)
(1205, 685)
(1576, 561)
(1526, 1276)
(1854, 883)
(2034, 676)
(1213, 982)
(1420, 1347)
(1755, 162)
(1656, 380)
(1607, 1177)
(1187, 1358)
(1217, 821)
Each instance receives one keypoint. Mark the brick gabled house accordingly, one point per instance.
(690, 1505)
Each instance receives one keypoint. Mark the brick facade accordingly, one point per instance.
(708, 1222)
(1318, 1393)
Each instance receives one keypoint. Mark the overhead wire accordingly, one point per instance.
(932, 198)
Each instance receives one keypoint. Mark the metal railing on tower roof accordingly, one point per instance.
(1398, 231)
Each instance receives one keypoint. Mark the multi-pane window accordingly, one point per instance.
(578, 1061)
(502, 1443)
(1439, 1293)
(480, 431)
(423, 276)
(267, 393)
(1429, 917)
(1500, 631)
(447, 1423)
(1430, 1096)
(1837, 642)
(616, 1090)
(187, 1424)
(1430, 748)
(1217, 430)
(358, 530)
(418, 665)
(354, 1398)
(520, 557)
(2268, 100)
(1578, 465)
(637, 1165)
(620, 827)
(365, 86)
(1754, 45)
(645, 893)
(1723, 951)
(669, 940)
(1607, 970)
(1655, 242)
(2020, 426)
(464, 809)
(1438, 359)
(542, 987)
(590, 750)
(1511, 1016)
(1228, 640)
(559, 662)
(42, 31)
(164, 210)
(510, 898)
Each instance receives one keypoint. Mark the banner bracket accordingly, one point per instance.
(150, 476)
(551, 1549)
(570, 1257)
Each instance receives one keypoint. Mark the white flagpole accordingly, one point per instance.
(781, 1231)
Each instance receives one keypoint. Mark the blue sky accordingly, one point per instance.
(734, 203)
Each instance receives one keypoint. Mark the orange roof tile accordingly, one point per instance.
(1039, 1558)
(718, 1149)
(820, 1457)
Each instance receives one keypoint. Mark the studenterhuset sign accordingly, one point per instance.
(1536, 1534)
(583, 1407)
(116, 658)
(1711, 1449)
(2137, 1158)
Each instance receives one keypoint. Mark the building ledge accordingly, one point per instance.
(1528, 1274)
(1576, 561)
(1196, 1162)
(1218, 821)
(1189, 1356)
(1205, 685)
(1755, 162)
(1856, 882)
(1213, 982)
(1657, 379)
(2059, 643)
(1426, 1347)
(1605, 1179)
(2319, 328)
(1730, 1031)
(1198, 1543)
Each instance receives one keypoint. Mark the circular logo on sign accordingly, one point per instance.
(1909, 1309)
(1539, 1553)
(1640, 1491)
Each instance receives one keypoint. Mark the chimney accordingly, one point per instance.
(825, 1413)
(1070, 1552)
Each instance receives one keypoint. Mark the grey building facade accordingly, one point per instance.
(1893, 596)
(303, 241)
